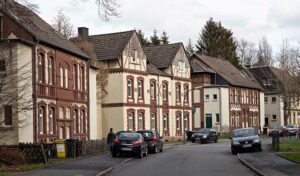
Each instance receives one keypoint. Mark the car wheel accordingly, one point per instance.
(161, 149)
(216, 140)
(260, 149)
(155, 150)
(114, 154)
(146, 152)
(193, 140)
(233, 151)
(140, 154)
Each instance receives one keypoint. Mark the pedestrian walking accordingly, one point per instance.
(110, 139)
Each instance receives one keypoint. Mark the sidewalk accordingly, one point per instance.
(268, 163)
(85, 166)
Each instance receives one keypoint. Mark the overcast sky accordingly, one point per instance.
(184, 19)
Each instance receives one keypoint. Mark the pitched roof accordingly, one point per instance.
(271, 75)
(229, 72)
(161, 56)
(199, 67)
(110, 46)
(154, 71)
(40, 29)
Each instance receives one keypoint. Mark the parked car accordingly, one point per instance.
(281, 130)
(205, 135)
(153, 139)
(292, 129)
(245, 139)
(130, 142)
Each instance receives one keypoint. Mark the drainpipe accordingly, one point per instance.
(220, 108)
(158, 104)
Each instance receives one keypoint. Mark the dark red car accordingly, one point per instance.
(153, 139)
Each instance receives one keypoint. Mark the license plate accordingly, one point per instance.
(247, 145)
(126, 149)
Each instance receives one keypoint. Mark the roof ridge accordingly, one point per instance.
(113, 33)
(164, 45)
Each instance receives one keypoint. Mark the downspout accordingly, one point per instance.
(158, 104)
(34, 94)
(88, 97)
(220, 107)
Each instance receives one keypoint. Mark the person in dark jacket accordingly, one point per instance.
(110, 138)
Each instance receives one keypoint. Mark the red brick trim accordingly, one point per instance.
(178, 96)
(124, 70)
(164, 82)
(143, 112)
(142, 98)
(133, 119)
(130, 99)
(154, 91)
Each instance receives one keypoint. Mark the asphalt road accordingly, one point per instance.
(186, 160)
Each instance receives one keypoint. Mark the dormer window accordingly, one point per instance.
(181, 66)
(134, 57)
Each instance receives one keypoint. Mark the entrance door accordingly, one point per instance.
(208, 121)
(266, 121)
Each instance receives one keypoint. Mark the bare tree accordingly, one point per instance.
(264, 54)
(15, 87)
(246, 52)
(62, 25)
(289, 82)
(190, 49)
(102, 73)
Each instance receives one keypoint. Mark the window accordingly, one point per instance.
(51, 120)
(2, 66)
(186, 122)
(181, 66)
(75, 75)
(153, 121)
(81, 121)
(217, 118)
(81, 79)
(165, 122)
(237, 119)
(273, 99)
(206, 97)
(7, 115)
(273, 117)
(178, 93)
(41, 68)
(152, 90)
(135, 58)
(165, 92)
(178, 121)
(75, 121)
(140, 89)
(186, 93)
(66, 78)
(141, 121)
(51, 70)
(130, 121)
(61, 77)
(215, 96)
(130, 88)
(1, 27)
(41, 118)
(266, 99)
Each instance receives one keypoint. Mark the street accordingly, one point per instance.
(190, 159)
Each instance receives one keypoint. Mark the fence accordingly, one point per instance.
(25, 153)
(277, 139)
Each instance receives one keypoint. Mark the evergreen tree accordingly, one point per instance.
(164, 38)
(154, 38)
(190, 48)
(143, 39)
(217, 41)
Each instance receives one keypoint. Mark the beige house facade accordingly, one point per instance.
(141, 95)
(224, 97)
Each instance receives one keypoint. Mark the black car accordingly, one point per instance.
(153, 139)
(245, 139)
(205, 135)
(129, 142)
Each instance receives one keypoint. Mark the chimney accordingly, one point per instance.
(83, 32)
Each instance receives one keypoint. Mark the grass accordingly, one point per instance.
(295, 156)
(173, 142)
(8, 170)
(289, 146)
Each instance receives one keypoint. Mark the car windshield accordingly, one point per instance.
(203, 130)
(244, 133)
(133, 136)
(146, 134)
(289, 126)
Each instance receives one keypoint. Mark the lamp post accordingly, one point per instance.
(183, 109)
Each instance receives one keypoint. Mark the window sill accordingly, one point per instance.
(274, 119)
(6, 128)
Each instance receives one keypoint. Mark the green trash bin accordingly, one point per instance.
(71, 145)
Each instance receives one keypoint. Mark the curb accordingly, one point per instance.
(123, 162)
(112, 167)
(258, 172)
(278, 154)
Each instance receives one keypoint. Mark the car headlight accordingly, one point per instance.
(235, 142)
(256, 141)
(204, 136)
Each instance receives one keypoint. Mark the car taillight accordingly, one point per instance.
(117, 141)
(153, 139)
(138, 142)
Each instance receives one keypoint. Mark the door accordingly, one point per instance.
(208, 121)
